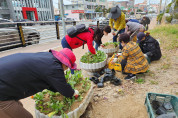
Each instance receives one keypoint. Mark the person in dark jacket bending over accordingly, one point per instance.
(25, 74)
(149, 46)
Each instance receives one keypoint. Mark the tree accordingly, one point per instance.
(139, 10)
(108, 10)
(104, 11)
(132, 13)
(98, 9)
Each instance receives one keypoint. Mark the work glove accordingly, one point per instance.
(145, 55)
(76, 94)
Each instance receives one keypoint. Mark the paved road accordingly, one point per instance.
(48, 32)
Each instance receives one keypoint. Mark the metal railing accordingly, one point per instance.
(27, 33)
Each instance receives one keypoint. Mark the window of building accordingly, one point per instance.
(3, 4)
(89, 6)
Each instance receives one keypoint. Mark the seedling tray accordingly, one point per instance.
(115, 66)
(161, 98)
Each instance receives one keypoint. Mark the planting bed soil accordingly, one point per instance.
(109, 48)
(50, 104)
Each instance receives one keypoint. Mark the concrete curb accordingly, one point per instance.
(109, 52)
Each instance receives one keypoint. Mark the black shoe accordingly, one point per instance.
(155, 104)
(100, 85)
(130, 77)
(115, 81)
(96, 75)
(94, 79)
(108, 71)
(107, 77)
(161, 110)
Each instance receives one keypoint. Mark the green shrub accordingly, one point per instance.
(159, 17)
(168, 7)
(131, 13)
(176, 5)
(176, 15)
(169, 19)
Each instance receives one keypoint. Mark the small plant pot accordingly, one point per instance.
(75, 113)
(109, 52)
(93, 67)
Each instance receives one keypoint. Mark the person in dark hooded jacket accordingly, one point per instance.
(149, 46)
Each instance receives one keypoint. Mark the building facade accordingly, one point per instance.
(36, 10)
(86, 7)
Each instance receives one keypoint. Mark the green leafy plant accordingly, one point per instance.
(108, 43)
(169, 19)
(53, 103)
(160, 16)
(140, 81)
(90, 58)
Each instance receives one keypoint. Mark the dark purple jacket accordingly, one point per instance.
(24, 74)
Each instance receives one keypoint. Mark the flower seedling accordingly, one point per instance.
(53, 103)
(90, 58)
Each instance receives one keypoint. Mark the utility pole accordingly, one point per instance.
(160, 7)
(60, 2)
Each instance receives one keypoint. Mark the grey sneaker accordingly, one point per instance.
(130, 77)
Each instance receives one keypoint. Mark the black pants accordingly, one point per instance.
(123, 64)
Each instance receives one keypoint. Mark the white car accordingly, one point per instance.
(101, 18)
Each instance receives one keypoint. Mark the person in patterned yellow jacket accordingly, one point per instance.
(118, 19)
(132, 60)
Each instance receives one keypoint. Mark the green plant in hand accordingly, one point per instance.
(53, 103)
(91, 58)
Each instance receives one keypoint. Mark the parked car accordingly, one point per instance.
(69, 20)
(26, 22)
(102, 24)
(101, 18)
(9, 36)
(50, 22)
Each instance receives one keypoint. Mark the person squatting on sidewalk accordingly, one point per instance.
(24, 74)
(149, 46)
(132, 59)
